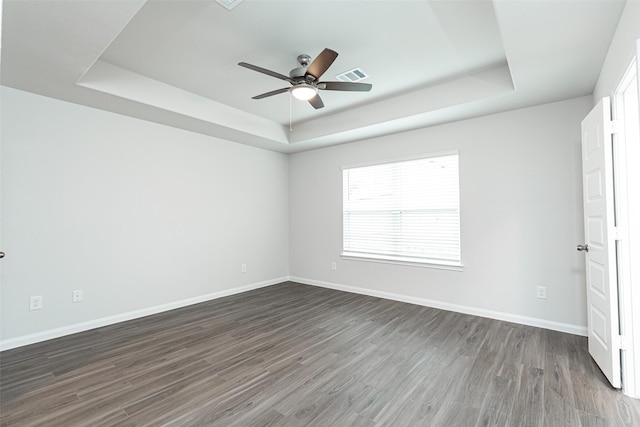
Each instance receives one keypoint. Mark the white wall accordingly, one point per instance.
(144, 217)
(141, 217)
(521, 207)
(621, 51)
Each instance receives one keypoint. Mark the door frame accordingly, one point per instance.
(627, 195)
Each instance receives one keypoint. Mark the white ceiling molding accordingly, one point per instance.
(125, 84)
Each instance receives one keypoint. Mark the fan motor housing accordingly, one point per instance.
(297, 73)
(304, 60)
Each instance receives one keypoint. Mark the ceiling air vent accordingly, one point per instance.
(229, 4)
(354, 75)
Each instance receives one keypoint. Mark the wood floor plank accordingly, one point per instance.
(268, 418)
(559, 406)
(293, 355)
(625, 413)
(530, 412)
(498, 404)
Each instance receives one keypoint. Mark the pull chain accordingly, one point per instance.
(290, 107)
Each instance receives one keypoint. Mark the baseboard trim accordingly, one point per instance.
(491, 314)
(110, 320)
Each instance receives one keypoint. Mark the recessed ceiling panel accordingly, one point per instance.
(196, 45)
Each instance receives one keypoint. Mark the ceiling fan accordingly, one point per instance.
(304, 79)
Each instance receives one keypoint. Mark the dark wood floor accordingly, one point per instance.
(296, 355)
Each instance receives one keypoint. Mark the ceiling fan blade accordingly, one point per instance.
(345, 86)
(265, 71)
(273, 92)
(316, 102)
(321, 64)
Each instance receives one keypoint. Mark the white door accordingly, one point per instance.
(600, 232)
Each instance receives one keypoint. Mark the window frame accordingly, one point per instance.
(399, 260)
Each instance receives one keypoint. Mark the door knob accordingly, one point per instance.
(583, 248)
(1, 254)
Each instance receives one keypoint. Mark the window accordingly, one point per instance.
(406, 211)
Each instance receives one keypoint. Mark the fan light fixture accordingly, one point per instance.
(304, 92)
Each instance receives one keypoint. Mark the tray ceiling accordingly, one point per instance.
(430, 62)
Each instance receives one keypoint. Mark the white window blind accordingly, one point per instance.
(406, 211)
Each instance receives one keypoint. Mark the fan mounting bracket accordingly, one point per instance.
(304, 60)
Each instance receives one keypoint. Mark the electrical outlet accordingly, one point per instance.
(243, 268)
(333, 266)
(76, 296)
(541, 292)
(35, 303)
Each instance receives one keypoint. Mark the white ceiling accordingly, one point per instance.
(430, 62)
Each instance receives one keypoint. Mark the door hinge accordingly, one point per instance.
(616, 232)
(616, 126)
(620, 342)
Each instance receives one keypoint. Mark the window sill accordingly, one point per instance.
(400, 261)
